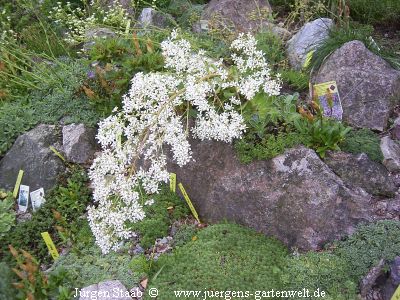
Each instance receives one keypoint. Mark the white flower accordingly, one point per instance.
(79, 23)
(134, 139)
(149, 202)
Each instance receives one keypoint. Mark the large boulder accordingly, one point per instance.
(91, 35)
(360, 171)
(309, 37)
(31, 153)
(391, 154)
(369, 87)
(295, 196)
(79, 143)
(149, 17)
(237, 15)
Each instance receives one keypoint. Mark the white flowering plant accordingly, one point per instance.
(78, 21)
(6, 31)
(152, 3)
(155, 113)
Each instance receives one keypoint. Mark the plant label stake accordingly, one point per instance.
(23, 199)
(396, 295)
(37, 198)
(172, 182)
(190, 204)
(329, 99)
(18, 183)
(50, 245)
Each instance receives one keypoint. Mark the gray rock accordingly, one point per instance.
(79, 143)
(173, 230)
(387, 209)
(236, 15)
(396, 129)
(279, 31)
(200, 26)
(150, 17)
(395, 271)
(360, 171)
(164, 240)
(369, 87)
(369, 280)
(87, 292)
(138, 250)
(391, 154)
(393, 281)
(106, 290)
(294, 197)
(96, 33)
(31, 153)
(310, 36)
(23, 216)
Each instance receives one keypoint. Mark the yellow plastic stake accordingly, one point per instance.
(308, 59)
(50, 245)
(57, 153)
(18, 183)
(119, 140)
(172, 182)
(396, 295)
(128, 27)
(190, 204)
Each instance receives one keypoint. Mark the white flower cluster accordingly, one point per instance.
(153, 3)
(78, 22)
(5, 26)
(152, 116)
(253, 61)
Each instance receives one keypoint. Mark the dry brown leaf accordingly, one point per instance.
(13, 251)
(108, 67)
(144, 282)
(27, 255)
(100, 73)
(18, 285)
(89, 93)
(19, 273)
(137, 45)
(30, 296)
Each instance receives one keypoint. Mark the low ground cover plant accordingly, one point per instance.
(60, 98)
(69, 200)
(228, 256)
(90, 266)
(161, 211)
(223, 256)
(363, 141)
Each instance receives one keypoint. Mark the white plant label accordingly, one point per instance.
(37, 198)
(23, 199)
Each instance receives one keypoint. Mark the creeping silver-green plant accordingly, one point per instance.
(7, 214)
